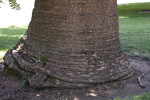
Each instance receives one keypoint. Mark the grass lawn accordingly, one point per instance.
(9, 37)
(141, 97)
(135, 29)
(134, 34)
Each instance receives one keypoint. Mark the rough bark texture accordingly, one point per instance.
(71, 43)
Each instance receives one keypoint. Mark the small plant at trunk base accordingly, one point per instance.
(42, 58)
(25, 81)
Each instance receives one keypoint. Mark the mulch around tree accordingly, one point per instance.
(11, 88)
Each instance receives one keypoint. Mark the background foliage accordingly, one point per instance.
(12, 3)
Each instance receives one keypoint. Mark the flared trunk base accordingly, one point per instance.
(39, 77)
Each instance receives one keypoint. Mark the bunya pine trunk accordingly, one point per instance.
(70, 43)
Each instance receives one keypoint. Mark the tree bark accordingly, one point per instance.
(71, 43)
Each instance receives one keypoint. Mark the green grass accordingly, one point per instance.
(135, 29)
(9, 36)
(133, 10)
(141, 97)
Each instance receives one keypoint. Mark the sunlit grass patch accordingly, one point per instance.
(2, 53)
(123, 17)
(9, 36)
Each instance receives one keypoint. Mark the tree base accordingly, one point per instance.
(38, 77)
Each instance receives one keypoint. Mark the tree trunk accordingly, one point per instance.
(71, 43)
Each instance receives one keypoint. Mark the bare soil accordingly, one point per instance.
(11, 88)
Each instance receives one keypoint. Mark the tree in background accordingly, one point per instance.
(70, 43)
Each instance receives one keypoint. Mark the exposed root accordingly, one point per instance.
(139, 80)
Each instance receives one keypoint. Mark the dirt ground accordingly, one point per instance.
(11, 88)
